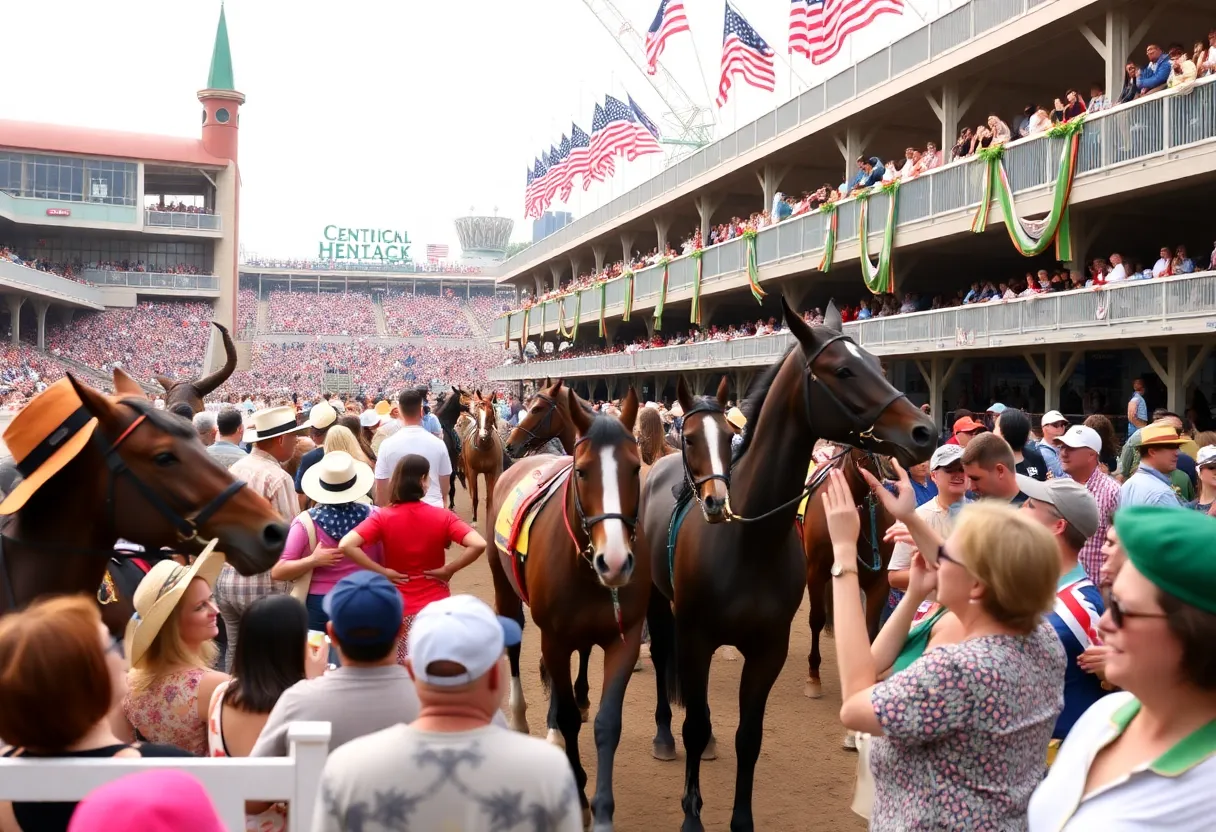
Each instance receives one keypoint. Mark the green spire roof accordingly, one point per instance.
(220, 77)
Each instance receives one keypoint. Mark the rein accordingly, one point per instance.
(533, 439)
(812, 485)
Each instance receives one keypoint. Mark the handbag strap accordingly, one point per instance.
(310, 528)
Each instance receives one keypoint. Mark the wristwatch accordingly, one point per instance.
(840, 571)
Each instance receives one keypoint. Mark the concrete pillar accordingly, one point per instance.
(14, 311)
(937, 374)
(610, 328)
(743, 378)
(518, 295)
(661, 226)
(770, 177)
(556, 271)
(539, 283)
(576, 265)
(709, 305)
(627, 238)
(41, 307)
(950, 109)
(706, 205)
(850, 149)
(611, 383)
(649, 321)
(66, 314)
(599, 251)
(1052, 374)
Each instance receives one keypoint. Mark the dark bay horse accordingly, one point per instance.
(448, 411)
(740, 583)
(481, 454)
(144, 476)
(182, 393)
(873, 554)
(547, 417)
(584, 586)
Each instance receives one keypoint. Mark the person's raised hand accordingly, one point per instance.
(902, 503)
(898, 533)
(922, 577)
(844, 526)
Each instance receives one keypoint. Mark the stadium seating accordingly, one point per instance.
(324, 313)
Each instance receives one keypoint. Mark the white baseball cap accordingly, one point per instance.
(1206, 456)
(369, 418)
(1082, 436)
(462, 630)
(1053, 417)
(944, 456)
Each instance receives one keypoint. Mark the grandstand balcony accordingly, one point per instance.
(181, 221)
(1119, 313)
(166, 283)
(1162, 139)
(34, 284)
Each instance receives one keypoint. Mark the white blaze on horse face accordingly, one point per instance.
(481, 424)
(615, 548)
(713, 442)
(853, 349)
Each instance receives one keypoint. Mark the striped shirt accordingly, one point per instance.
(1105, 491)
(1074, 617)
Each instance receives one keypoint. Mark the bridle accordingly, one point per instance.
(709, 407)
(475, 437)
(186, 526)
(861, 430)
(542, 425)
(586, 522)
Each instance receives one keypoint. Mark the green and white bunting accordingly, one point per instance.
(696, 288)
(829, 241)
(753, 271)
(878, 278)
(662, 301)
(628, 278)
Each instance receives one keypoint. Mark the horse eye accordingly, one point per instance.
(844, 372)
(164, 459)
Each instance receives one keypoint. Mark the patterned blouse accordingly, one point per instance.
(167, 711)
(966, 731)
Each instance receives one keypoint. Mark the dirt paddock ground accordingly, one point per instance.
(804, 780)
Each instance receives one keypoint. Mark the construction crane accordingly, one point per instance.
(689, 125)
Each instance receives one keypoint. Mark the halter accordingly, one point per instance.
(543, 424)
(861, 426)
(694, 483)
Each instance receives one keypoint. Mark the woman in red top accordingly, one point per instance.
(414, 537)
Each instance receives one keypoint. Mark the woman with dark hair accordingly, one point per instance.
(1014, 427)
(1109, 455)
(414, 536)
(652, 443)
(1145, 757)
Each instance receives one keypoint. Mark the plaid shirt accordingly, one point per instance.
(263, 474)
(1105, 492)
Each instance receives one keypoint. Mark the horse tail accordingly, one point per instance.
(663, 645)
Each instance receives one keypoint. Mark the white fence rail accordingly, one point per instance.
(152, 280)
(229, 781)
(182, 219)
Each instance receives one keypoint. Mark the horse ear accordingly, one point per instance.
(557, 386)
(797, 326)
(831, 317)
(582, 419)
(629, 409)
(124, 385)
(682, 395)
(164, 382)
(97, 404)
(723, 392)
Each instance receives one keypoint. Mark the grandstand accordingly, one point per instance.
(1143, 165)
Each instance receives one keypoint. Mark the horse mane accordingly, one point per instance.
(754, 401)
(442, 412)
(171, 423)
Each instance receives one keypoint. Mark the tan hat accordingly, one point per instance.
(735, 417)
(44, 437)
(338, 478)
(158, 594)
(383, 407)
(1160, 435)
(275, 421)
(322, 415)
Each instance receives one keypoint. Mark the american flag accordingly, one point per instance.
(744, 53)
(612, 132)
(647, 133)
(436, 251)
(528, 193)
(536, 188)
(818, 28)
(578, 163)
(557, 173)
(669, 21)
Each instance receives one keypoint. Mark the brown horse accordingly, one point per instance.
(584, 586)
(144, 476)
(873, 554)
(181, 394)
(547, 418)
(481, 454)
(740, 583)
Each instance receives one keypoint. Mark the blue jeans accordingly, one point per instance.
(317, 619)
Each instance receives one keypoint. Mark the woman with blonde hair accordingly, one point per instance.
(960, 733)
(354, 426)
(169, 644)
(340, 438)
(652, 439)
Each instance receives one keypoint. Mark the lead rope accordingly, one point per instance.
(872, 502)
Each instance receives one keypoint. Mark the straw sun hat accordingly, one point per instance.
(159, 593)
(338, 478)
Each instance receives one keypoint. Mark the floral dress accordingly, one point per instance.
(167, 711)
(966, 728)
(273, 819)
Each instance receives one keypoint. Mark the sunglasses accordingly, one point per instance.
(1118, 615)
(942, 556)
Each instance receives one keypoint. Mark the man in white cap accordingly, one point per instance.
(1080, 446)
(1054, 425)
(947, 475)
(450, 768)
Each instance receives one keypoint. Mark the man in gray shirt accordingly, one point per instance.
(230, 427)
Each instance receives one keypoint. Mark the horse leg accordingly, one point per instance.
(662, 637)
(760, 670)
(582, 687)
(508, 604)
(693, 658)
(816, 586)
(619, 658)
(470, 474)
(556, 659)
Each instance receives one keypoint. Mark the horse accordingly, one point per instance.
(183, 394)
(482, 453)
(143, 476)
(448, 412)
(584, 586)
(546, 418)
(741, 582)
(873, 553)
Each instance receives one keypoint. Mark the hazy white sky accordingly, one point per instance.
(398, 113)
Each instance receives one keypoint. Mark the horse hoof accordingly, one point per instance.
(663, 752)
(729, 654)
(813, 690)
(711, 750)
(584, 713)
(850, 742)
(602, 827)
(554, 737)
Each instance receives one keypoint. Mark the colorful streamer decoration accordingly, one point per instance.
(753, 271)
(829, 241)
(628, 278)
(603, 302)
(662, 301)
(696, 288)
(878, 279)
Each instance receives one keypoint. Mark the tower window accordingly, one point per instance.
(222, 116)
(204, 116)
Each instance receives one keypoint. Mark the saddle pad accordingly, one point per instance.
(521, 504)
(810, 473)
(683, 504)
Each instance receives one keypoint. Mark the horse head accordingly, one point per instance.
(849, 398)
(485, 415)
(705, 448)
(162, 488)
(543, 420)
(607, 488)
(192, 393)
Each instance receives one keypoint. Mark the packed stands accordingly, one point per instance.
(410, 314)
(24, 372)
(486, 308)
(246, 311)
(322, 313)
(164, 337)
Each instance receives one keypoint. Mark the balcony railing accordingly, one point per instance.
(1148, 128)
(1131, 302)
(37, 283)
(182, 220)
(152, 280)
(942, 35)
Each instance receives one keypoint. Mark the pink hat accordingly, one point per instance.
(162, 800)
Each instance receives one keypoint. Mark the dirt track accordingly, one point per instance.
(804, 780)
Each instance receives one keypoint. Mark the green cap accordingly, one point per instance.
(1172, 547)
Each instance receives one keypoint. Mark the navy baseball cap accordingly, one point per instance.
(365, 608)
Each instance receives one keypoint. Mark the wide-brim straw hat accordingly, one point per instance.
(338, 478)
(44, 437)
(1160, 436)
(275, 421)
(158, 594)
(383, 407)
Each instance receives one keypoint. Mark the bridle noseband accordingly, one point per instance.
(710, 408)
(586, 522)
